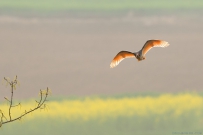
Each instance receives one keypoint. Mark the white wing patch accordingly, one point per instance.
(114, 63)
(163, 44)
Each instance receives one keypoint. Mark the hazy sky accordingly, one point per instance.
(71, 55)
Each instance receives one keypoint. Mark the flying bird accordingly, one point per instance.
(140, 55)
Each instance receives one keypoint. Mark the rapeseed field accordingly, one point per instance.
(165, 112)
(101, 109)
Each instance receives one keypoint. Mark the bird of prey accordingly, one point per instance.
(140, 55)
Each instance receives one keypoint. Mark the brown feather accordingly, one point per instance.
(139, 55)
(153, 43)
(120, 56)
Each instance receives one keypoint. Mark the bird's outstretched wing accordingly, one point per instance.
(120, 56)
(153, 43)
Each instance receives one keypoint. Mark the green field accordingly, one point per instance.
(98, 5)
(130, 115)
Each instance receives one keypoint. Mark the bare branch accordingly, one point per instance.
(11, 101)
(19, 104)
(40, 104)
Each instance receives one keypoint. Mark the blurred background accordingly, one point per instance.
(67, 45)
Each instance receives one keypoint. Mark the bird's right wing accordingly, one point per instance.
(120, 56)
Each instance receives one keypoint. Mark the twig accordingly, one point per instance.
(39, 105)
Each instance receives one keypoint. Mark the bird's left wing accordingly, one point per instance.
(153, 43)
(120, 56)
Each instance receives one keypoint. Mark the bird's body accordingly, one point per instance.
(140, 55)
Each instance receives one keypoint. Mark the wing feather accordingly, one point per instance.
(153, 43)
(120, 56)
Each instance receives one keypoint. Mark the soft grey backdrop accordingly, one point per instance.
(71, 55)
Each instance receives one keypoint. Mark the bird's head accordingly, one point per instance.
(137, 54)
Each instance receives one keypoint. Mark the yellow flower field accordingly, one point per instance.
(104, 108)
